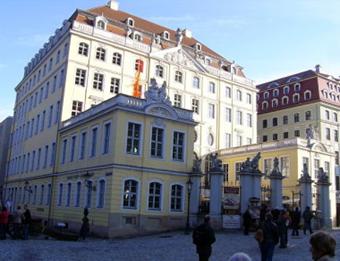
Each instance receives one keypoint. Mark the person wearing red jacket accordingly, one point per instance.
(3, 222)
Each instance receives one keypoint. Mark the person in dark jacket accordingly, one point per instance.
(296, 218)
(247, 220)
(3, 222)
(26, 221)
(269, 238)
(203, 237)
(307, 220)
(283, 223)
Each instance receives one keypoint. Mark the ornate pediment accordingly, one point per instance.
(180, 57)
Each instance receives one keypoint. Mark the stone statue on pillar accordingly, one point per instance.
(276, 185)
(323, 185)
(305, 183)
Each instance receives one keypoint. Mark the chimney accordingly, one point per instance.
(113, 4)
(317, 68)
(187, 33)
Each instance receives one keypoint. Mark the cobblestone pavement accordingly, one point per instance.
(173, 246)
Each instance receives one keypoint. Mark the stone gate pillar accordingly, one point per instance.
(216, 184)
(195, 177)
(305, 183)
(276, 185)
(323, 185)
(250, 181)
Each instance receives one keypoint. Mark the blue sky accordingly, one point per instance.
(268, 38)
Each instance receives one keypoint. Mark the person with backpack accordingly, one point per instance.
(203, 237)
(268, 236)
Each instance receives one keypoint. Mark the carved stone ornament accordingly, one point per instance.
(251, 165)
(156, 94)
(276, 171)
(322, 176)
(197, 166)
(179, 37)
(216, 164)
(179, 58)
(305, 175)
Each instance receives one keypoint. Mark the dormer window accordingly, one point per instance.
(275, 93)
(285, 100)
(296, 98)
(137, 36)
(307, 95)
(157, 39)
(198, 47)
(130, 22)
(101, 25)
(297, 87)
(264, 105)
(166, 35)
(275, 103)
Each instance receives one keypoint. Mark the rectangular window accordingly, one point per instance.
(80, 77)
(228, 92)
(176, 197)
(327, 114)
(41, 94)
(68, 195)
(114, 87)
(308, 115)
(94, 142)
(178, 100)
(77, 201)
(57, 113)
(228, 114)
(337, 157)
(326, 164)
(264, 138)
(77, 107)
(38, 159)
(54, 85)
(267, 166)
(275, 136)
(47, 89)
(60, 196)
(133, 138)
(82, 146)
(107, 132)
(43, 121)
(336, 135)
(63, 155)
(296, 117)
(227, 140)
(73, 147)
(237, 170)
(45, 157)
(316, 168)
(53, 153)
(98, 81)
(305, 160)
(50, 116)
(211, 87)
(239, 140)
(285, 135)
(211, 111)
(337, 182)
(33, 160)
(178, 146)
(335, 116)
(249, 141)
(195, 105)
(284, 166)
(157, 142)
(249, 120)
(285, 119)
(264, 124)
(328, 133)
(297, 133)
(37, 125)
(239, 117)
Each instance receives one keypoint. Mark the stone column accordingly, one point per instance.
(276, 185)
(250, 181)
(305, 183)
(324, 197)
(195, 198)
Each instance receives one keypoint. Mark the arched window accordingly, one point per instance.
(297, 87)
(130, 194)
(137, 37)
(83, 49)
(266, 95)
(296, 98)
(101, 24)
(78, 193)
(89, 187)
(307, 95)
(139, 65)
(155, 196)
(286, 90)
(101, 194)
(179, 76)
(117, 58)
(264, 105)
(276, 93)
(159, 71)
(176, 198)
(42, 192)
(275, 103)
(196, 82)
(166, 35)
(210, 139)
(285, 100)
(212, 88)
(198, 46)
(100, 54)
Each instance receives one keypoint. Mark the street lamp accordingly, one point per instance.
(189, 188)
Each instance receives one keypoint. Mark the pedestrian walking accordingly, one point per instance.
(307, 220)
(283, 223)
(322, 246)
(247, 220)
(268, 236)
(3, 222)
(203, 237)
(85, 226)
(263, 211)
(17, 215)
(26, 220)
(296, 218)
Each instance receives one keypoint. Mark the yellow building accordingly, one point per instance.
(292, 154)
(127, 160)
